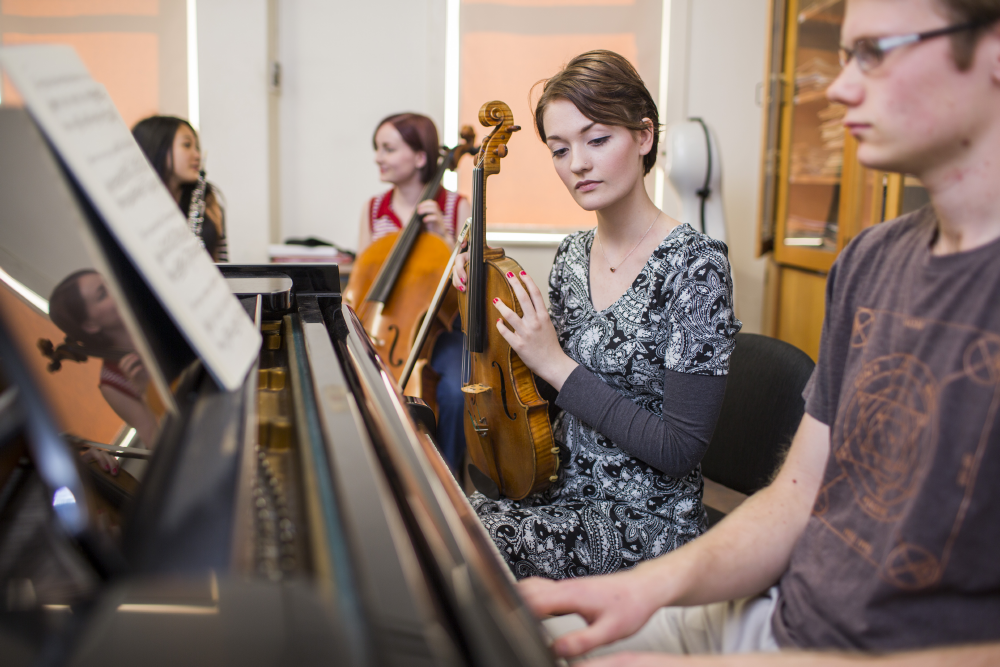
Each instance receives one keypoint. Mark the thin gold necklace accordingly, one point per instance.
(658, 214)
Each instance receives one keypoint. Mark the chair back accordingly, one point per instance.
(761, 410)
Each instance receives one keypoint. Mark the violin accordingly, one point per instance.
(508, 433)
(74, 350)
(393, 280)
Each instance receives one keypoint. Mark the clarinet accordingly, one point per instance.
(196, 211)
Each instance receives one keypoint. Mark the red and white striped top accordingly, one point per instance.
(112, 376)
(383, 220)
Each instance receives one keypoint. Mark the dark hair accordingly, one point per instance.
(155, 136)
(420, 134)
(982, 12)
(68, 311)
(607, 89)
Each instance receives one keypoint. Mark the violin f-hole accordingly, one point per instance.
(392, 349)
(503, 393)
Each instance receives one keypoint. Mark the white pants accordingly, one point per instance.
(737, 626)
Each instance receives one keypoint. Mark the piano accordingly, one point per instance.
(303, 518)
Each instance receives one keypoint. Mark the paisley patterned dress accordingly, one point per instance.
(608, 511)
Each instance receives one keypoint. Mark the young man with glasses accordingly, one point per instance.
(881, 532)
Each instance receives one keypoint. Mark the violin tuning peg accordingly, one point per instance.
(501, 150)
(514, 128)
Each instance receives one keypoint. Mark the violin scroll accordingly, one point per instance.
(498, 114)
(73, 350)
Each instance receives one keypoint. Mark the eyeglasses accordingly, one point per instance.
(870, 51)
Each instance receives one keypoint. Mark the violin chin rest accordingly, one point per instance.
(483, 483)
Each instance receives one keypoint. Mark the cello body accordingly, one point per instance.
(393, 325)
(507, 431)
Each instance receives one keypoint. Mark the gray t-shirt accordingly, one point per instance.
(901, 549)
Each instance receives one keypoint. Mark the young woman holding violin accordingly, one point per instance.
(171, 146)
(406, 151)
(637, 342)
(83, 308)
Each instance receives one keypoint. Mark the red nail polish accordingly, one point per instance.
(510, 274)
(523, 273)
(498, 320)
(495, 300)
(463, 280)
(461, 288)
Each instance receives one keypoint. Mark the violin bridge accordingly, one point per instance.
(476, 389)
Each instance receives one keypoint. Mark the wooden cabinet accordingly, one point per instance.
(815, 195)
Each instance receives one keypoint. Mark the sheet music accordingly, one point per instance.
(78, 117)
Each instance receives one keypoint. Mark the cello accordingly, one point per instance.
(507, 433)
(393, 280)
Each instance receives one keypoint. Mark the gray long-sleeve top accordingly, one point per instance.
(674, 443)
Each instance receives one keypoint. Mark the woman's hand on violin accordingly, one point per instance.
(459, 276)
(433, 219)
(532, 335)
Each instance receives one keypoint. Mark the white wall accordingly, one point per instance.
(232, 71)
(726, 43)
(341, 64)
(346, 66)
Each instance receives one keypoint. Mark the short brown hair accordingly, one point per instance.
(607, 89)
(982, 12)
(420, 134)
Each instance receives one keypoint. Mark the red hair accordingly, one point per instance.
(420, 134)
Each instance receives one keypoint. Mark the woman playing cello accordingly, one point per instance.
(406, 149)
(637, 342)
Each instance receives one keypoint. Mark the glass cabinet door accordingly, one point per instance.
(809, 214)
(865, 195)
(815, 195)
